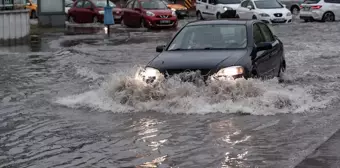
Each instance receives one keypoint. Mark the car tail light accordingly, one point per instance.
(316, 7)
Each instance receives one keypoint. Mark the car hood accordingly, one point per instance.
(176, 6)
(196, 59)
(161, 11)
(272, 11)
(234, 6)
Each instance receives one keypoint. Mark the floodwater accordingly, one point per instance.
(76, 104)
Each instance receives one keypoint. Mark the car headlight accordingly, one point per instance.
(148, 13)
(227, 8)
(173, 13)
(264, 15)
(101, 12)
(149, 75)
(184, 8)
(173, 9)
(229, 73)
(289, 14)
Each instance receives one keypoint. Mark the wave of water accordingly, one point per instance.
(122, 93)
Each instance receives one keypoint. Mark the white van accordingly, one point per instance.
(216, 9)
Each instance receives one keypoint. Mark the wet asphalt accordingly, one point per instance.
(71, 101)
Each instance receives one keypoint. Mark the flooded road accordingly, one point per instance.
(75, 104)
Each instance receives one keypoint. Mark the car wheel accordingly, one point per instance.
(199, 16)
(328, 17)
(254, 17)
(295, 10)
(281, 75)
(71, 19)
(142, 23)
(33, 14)
(95, 19)
(218, 16)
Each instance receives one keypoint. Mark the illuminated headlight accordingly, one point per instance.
(173, 9)
(101, 12)
(148, 13)
(229, 73)
(184, 8)
(227, 8)
(289, 14)
(264, 15)
(149, 75)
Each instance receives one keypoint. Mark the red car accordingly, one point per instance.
(92, 11)
(148, 13)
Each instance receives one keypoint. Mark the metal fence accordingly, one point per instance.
(12, 4)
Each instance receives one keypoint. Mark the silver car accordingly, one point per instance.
(292, 5)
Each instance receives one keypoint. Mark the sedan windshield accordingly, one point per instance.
(210, 37)
(153, 5)
(268, 4)
(103, 3)
(228, 1)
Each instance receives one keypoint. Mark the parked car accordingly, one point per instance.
(218, 50)
(293, 5)
(148, 13)
(181, 11)
(68, 5)
(32, 5)
(92, 11)
(323, 10)
(269, 11)
(216, 9)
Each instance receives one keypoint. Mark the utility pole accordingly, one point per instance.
(108, 17)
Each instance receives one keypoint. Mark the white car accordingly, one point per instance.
(324, 10)
(68, 5)
(269, 11)
(216, 9)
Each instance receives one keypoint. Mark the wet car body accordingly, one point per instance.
(88, 11)
(263, 59)
(181, 11)
(135, 15)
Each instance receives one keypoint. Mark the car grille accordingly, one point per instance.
(189, 75)
(278, 14)
(163, 16)
(278, 21)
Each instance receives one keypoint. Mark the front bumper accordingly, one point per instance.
(315, 15)
(276, 20)
(229, 14)
(154, 22)
(182, 13)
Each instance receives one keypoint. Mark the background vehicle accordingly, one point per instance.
(181, 11)
(219, 50)
(68, 5)
(269, 11)
(211, 9)
(324, 10)
(293, 5)
(33, 7)
(91, 11)
(148, 13)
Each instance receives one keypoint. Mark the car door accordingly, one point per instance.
(261, 59)
(250, 12)
(276, 52)
(127, 15)
(241, 11)
(199, 6)
(76, 9)
(336, 8)
(211, 10)
(204, 4)
(87, 12)
(136, 14)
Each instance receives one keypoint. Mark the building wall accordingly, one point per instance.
(14, 26)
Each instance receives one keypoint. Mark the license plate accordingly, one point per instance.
(279, 19)
(165, 21)
(306, 8)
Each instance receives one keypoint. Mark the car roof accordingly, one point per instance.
(222, 21)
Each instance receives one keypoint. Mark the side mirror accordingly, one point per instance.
(264, 46)
(284, 5)
(249, 7)
(160, 48)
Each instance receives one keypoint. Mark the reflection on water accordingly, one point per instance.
(33, 47)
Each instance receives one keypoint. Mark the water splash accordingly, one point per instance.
(122, 93)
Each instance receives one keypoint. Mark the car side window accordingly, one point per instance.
(136, 4)
(267, 33)
(250, 3)
(330, 1)
(211, 1)
(244, 4)
(258, 37)
(87, 4)
(129, 4)
(79, 4)
(205, 1)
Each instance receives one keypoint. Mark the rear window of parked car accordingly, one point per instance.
(312, 2)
